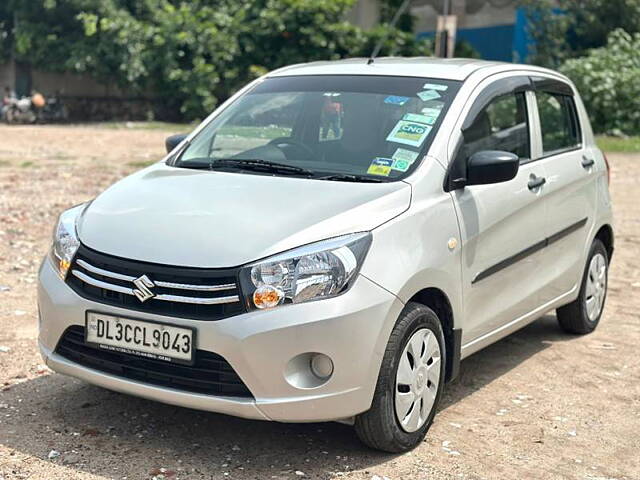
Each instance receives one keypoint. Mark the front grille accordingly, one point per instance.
(210, 374)
(195, 293)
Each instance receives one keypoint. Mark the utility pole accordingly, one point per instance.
(446, 32)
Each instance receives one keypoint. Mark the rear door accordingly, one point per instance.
(502, 225)
(570, 188)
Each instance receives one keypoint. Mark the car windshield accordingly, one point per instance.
(336, 127)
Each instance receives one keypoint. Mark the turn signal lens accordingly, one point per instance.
(267, 296)
(63, 267)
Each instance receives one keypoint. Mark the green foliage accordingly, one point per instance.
(388, 9)
(465, 50)
(596, 43)
(548, 30)
(607, 79)
(189, 54)
(563, 29)
(619, 144)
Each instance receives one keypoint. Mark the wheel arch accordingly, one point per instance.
(605, 235)
(438, 301)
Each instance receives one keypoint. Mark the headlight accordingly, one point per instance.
(65, 239)
(312, 272)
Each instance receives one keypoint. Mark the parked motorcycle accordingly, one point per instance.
(35, 109)
(53, 111)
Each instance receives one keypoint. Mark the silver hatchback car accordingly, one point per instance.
(333, 240)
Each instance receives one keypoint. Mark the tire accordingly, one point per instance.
(580, 316)
(380, 427)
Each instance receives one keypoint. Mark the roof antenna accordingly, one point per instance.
(392, 24)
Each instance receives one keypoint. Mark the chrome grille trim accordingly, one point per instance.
(199, 288)
(179, 286)
(164, 297)
(105, 273)
(199, 301)
(100, 284)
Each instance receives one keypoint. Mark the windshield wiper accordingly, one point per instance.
(245, 164)
(256, 164)
(195, 163)
(344, 177)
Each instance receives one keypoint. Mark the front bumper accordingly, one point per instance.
(351, 329)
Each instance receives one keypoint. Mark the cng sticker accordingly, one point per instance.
(409, 133)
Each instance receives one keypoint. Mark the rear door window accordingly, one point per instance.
(558, 122)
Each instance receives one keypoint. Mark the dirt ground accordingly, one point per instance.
(540, 404)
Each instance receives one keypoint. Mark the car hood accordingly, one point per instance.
(196, 218)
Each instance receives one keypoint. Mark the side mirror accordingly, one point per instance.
(173, 141)
(491, 166)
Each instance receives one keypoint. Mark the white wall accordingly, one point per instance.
(72, 84)
(64, 83)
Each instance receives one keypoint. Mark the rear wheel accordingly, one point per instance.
(583, 315)
(409, 384)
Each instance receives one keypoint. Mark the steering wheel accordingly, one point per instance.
(277, 142)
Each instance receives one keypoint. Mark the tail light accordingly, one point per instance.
(608, 169)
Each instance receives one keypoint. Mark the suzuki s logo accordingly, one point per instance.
(142, 292)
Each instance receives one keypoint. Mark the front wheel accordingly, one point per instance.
(409, 383)
(583, 314)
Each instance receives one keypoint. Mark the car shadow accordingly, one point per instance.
(115, 435)
(492, 362)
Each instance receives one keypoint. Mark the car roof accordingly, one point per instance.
(429, 67)
(424, 67)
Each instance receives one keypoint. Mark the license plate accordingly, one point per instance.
(158, 341)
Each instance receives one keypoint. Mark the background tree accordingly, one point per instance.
(607, 79)
(563, 29)
(190, 55)
(596, 44)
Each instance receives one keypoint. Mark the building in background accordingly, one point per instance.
(496, 29)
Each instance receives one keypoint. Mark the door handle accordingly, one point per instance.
(587, 162)
(536, 182)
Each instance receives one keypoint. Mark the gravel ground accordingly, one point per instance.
(538, 404)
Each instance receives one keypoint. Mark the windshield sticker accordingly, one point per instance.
(416, 117)
(403, 159)
(427, 95)
(395, 100)
(434, 104)
(435, 86)
(405, 155)
(409, 133)
(400, 165)
(380, 166)
(431, 114)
